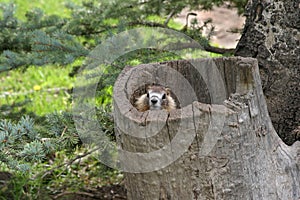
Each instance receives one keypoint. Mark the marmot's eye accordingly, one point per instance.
(164, 96)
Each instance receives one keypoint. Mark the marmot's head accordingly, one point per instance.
(157, 97)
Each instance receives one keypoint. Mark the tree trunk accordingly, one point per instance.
(272, 35)
(217, 145)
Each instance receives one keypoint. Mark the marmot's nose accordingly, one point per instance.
(154, 101)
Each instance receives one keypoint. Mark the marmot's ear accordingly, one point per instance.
(168, 91)
(148, 87)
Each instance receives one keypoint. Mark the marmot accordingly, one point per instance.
(156, 98)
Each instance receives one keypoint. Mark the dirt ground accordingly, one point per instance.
(224, 20)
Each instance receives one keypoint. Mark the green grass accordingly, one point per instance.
(43, 88)
(55, 7)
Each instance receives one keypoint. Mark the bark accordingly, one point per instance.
(272, 35)
(231, 150)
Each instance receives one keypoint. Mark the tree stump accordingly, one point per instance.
(218, 144)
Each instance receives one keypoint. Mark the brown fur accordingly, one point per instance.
(142, 103)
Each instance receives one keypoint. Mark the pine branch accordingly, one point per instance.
(68, 163)
(218, 50)
(193, 45)
(170, 16)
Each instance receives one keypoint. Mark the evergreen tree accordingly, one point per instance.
(24, 142)
(43, 39)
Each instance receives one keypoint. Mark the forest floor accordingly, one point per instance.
(225, 20)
